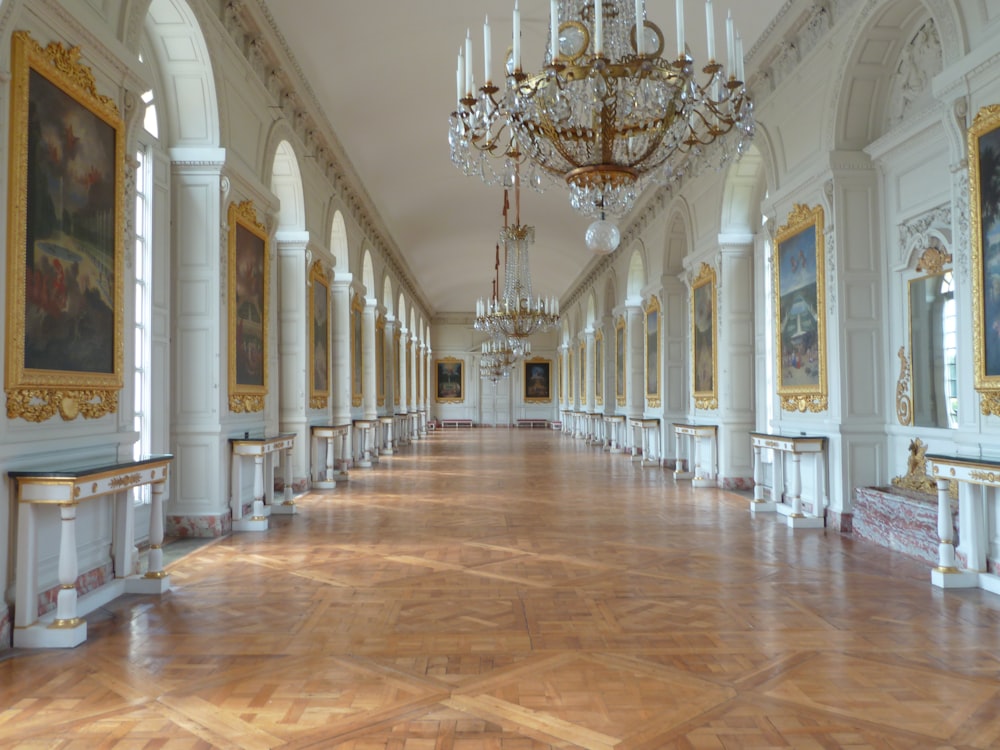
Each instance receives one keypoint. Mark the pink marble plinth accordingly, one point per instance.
(6, 628)
(85, 583)
(900, 520)
(736, 484)
(200, 526)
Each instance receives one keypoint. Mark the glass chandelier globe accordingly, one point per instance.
(603, 237)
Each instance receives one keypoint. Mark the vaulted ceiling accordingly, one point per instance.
(384, 74)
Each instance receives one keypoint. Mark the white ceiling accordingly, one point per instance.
(384, 72)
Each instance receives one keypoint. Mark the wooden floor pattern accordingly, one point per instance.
(518, 590)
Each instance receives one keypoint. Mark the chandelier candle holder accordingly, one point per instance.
(499, 356)
(607, 114)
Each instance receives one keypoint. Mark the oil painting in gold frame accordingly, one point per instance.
(704, 358)
(651, 353)
(800, 311)
(248, 308)
(449, 380)
(599, 368)
(380, 361)
(319, 336)
(537, 385)
(357, 351)
(620, 361)
(65, 238)
(984, 214)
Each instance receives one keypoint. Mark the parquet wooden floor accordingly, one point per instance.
(516, 590)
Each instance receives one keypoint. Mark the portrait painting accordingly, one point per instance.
(449, 382)
(799, 310)
(620, 362)
(984, 189)
(703, 356)
(248, 308)
(652, 352)
(319, 327)
(599, 368)
(536, 381)
(65, 238)
(380, 360)
(357, 356)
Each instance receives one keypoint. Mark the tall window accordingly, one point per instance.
(143, 306)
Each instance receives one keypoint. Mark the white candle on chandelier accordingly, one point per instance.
(681, 50)
(739, 57)
(487, 51)
(468, 62)
(730, 44)
(599, 27)
(516, 42)
(460, 74)
(640, 35)
(554, 29)
(710, 29)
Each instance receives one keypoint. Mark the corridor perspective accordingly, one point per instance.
(516, 589)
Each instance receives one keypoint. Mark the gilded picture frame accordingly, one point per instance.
(65, 247)
(537, 381)
(651, 352)
(620, 361)
(599, 368)
(571, 375)
(249, 308)
(449, 380)
(397, 390)
(984, 215)
(319, 336)
(380, 360)
(704, 322)
(357, 350)
(800, 311)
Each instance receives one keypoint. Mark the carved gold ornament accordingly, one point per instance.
(904, 404)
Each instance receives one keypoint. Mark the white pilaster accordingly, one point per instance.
(340, 291)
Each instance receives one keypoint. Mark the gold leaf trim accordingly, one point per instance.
(39, 405)
(904, 404)
(804, 403)
(246, 403)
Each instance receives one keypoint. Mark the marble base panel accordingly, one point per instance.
(85, 583)
(837, 521)
(736, 484)
(900, 520)
(207, 526)
(6, 628)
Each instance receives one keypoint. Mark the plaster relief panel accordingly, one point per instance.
(927, 182)
(860, 301)
(192, 99)
(862, 355)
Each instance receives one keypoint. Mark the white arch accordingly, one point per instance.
(591, 310)
(401, 309)
(387, 296)
(286, 184)
(338, 243)
(636, 277)
(368, 273)
(189, 103)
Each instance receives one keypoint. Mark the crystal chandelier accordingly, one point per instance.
(608, 114)
(498, 358)
(517, 314)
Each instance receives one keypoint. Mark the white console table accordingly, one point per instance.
(261, 450)
(646, 432)
(364, 442)
(614, 432)
(693, 442)
(40, 492)
(794, 448)
(329, 454)
(979, 481)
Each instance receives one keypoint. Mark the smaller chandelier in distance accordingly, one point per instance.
(607, 114)
(498, 358)
(517, 313)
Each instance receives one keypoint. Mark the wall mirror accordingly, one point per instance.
(933, 349)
